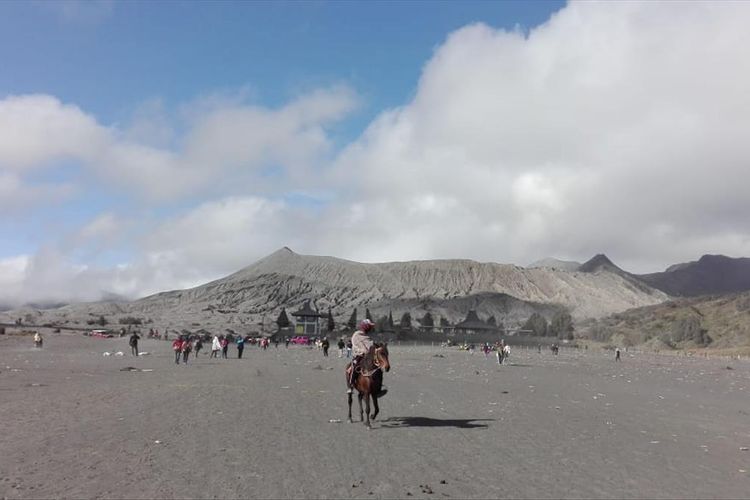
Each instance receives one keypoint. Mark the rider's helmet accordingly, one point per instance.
(366, 325)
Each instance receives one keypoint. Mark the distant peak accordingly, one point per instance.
(713, 258)
(285, 249)
(598, 261)
(551, 262)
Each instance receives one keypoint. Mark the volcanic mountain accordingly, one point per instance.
(710, 275)
(446, 288)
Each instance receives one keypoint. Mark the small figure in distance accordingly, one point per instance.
(38, 340)
(187, 346)
(617, 354)
(177, 348)
(134, 344)
(325, 345)
(198, 345)
(215, 347)
(240, 346)
(341, 345)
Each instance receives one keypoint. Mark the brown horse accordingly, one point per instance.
(369, 380)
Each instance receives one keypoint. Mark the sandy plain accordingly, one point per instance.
(453, 425)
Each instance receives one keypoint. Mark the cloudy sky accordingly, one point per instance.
(149, 146)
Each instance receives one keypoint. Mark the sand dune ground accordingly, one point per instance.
(458, 426)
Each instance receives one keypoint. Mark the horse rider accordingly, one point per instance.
(361, 344)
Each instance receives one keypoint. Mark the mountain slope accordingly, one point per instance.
(285, 278)
(449, 287)
(721, 322)
(565, 265)
(711, 274)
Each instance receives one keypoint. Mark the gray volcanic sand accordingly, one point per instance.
(458, 426)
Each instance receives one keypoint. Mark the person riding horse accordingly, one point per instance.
(361, 345)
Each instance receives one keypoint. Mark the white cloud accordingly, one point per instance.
(226, 147)
(608, 122)
(614, 127)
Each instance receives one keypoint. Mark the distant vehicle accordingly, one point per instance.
(301, 340)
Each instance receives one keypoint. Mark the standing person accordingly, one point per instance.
(341, 346)
(187, 346)
(286, 341)
(215, 347)
(134, 344)
(198, 345)
(240, 346)
(38, 341)
(361, 344)
(617, 354)
(224, 346)
(177, 348)
(348, 349)
(325, 344)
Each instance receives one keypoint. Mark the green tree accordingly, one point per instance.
(405, 323)
(561, 326)
(102, 321)
(381, 325)
(537, 324)
(444, 322)
(391, 324)
(352, 323)
(491, 321)
(283, 320)
(427, 321)
(368, 315)
(331, 323)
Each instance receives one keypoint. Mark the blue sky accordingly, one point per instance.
(109, 58)
(125, 53)
(154, 145)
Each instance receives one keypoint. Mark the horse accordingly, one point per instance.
(369, 381)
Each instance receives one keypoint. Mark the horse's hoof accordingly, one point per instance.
(350, 420)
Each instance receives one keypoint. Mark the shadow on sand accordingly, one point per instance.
(395, 422)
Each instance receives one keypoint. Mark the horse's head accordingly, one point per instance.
(381, 356)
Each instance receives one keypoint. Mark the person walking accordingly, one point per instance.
(134, 344)
(341, 345)
(187, 346)
(38, 341)
(325, 345)
(177, 348)
(240, 346)
(215, 347)
(617, 354)
(348, 349)
(224, 346)
(197, 346)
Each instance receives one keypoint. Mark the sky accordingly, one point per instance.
(149, 146)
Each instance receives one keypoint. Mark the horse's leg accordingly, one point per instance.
(359, 398)
(349, 397)
(367, 408)
(375, 404)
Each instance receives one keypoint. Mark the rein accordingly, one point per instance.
(375, 362)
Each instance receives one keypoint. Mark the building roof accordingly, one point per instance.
(307, 310)
(472, 322)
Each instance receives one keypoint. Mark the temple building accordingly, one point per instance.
(472, 324)
(307, 321)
